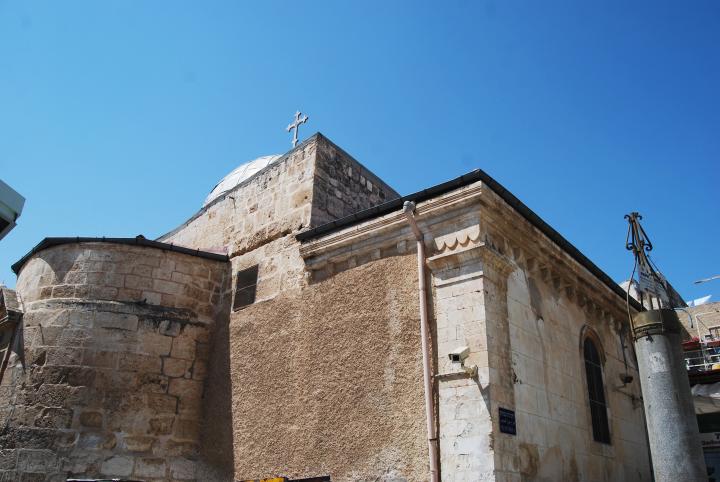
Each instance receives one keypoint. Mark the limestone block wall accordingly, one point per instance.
(313, 184)
(704, 318)
(464, 412)
(111, 379)
(328, 380)
(342, 186)
(268, 206)
(550, 395)
(538, 304)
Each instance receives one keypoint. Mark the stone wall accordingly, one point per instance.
(521, 304)
(704, 317)
(540, 304)
(255, 223)
(268, 206)
(550, 398)
(328, 381)
(315, 183)
(116, 343)
(342, 186)
(464, 412)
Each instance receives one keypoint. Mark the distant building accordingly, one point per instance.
(702, 358)
(277, 333)
(11, 205)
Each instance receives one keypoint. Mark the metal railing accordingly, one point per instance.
(702, 355)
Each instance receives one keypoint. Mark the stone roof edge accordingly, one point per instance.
(374, 177)
(343, 225)
(247, 181)
(137, 241)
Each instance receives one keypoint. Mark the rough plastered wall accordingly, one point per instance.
(522, 335)
(328, 380)
(342, 186)
(280, 271)
(116, 343)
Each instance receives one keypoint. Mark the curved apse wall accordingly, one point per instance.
(116, 342)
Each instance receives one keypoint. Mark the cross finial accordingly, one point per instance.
(295, 125)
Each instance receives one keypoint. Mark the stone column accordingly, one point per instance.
(671, 422)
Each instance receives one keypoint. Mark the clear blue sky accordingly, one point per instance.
(118, 117)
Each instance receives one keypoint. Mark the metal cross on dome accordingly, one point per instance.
(295, 125)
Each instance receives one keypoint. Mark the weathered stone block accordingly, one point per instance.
(160, 425)
(185, 388)
(199, 370)
(183, 278)
(64, 356)
(100, 359)
(152, 297)
(8, 459)
(169, 328)
(152, 382)
(180, 448)
(175, 367)
(33, 477)
(96, 441)
(202, 351)
(127, 294)
(167, 287)
(190, 406)
(182, 469)
(115, 280)
(160, 403)
(163, 272)
(63, 291)
(150, 467)
(83, 319)
(118, 466)
(80, 376)
(138, 282)
(155, 344)
(98, 292)
(138, 443)
(183, 347)
(119, 321)
(139, 363)
(91, 419)
(187, 429)
(36, 460)
(54, 418)
(143, 270)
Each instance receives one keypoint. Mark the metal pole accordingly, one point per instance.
(671, 422)
(433, 445)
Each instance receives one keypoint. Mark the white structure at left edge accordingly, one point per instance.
(11, 205)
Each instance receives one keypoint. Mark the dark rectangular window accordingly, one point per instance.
(596, 393)
(245, 288)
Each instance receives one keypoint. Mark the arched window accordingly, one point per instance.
(596, 391)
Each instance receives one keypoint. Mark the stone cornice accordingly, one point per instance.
(394, 223)
(457, 224)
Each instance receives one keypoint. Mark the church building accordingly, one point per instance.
(309, 323)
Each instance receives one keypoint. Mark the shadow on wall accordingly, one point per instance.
(217, 449)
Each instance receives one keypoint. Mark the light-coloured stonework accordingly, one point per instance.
(116, 342)
(130, 361)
